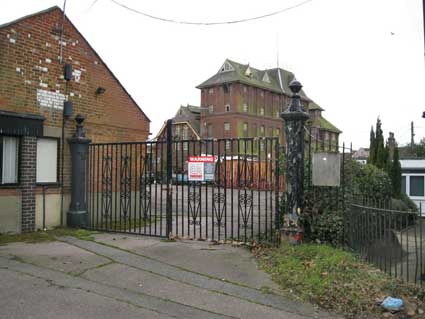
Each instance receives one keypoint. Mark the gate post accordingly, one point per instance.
(77, 215)
(169, 207)
(294, 117)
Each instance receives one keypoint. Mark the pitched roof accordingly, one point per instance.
(51, 9)
(279, 79)
(324, 124)
(312, 106)
(191, 114)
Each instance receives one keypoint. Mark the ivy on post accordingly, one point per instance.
(295, 118)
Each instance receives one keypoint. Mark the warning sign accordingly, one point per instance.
(201, 168)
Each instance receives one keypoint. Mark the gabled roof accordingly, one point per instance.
(279, 79)
(164, 126)
(51, 9)
(191, 114)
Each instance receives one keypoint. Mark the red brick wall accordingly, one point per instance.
(237, 96)
(29, 62)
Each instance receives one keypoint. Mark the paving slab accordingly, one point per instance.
(154, 285)
(47, 301)
(137, 277)
(165, 308)
(198, 280)
(55, 255)
(235, 264)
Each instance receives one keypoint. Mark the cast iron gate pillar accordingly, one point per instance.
(294, 117)
(77, 215)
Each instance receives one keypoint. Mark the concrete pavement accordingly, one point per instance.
(121, 276)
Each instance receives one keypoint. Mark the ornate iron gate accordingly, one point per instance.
(144, 188)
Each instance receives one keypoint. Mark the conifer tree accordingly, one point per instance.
(396, 174)
(371, 158)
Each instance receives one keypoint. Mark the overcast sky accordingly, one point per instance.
(358, 59)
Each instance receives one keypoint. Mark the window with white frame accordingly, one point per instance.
(416, 186)
(262, 130)
(9, 148)
(227, 108)
(262, 111)
(245, 129)
(211, 108)
(245, 107)
(185, 133)
(227, 126)
(47, 160)
(227, 145)
(211, 91)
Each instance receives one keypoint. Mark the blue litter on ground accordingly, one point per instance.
(392, 304)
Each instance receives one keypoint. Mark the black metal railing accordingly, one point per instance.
(389, 239)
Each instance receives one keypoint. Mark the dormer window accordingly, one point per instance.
(226, 67)
(248, 72)
(266, 77)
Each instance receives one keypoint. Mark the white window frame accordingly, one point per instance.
(227, 107)
(245, 108)
(262, 111)
(47, 160)
(226, 126)
(11, 159)
(408, 175)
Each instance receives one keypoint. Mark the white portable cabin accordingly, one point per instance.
(413, 180)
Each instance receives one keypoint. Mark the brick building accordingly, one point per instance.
(241, 101)
(185, 127)
(33, 53)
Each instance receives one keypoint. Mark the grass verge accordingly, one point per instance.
(337, 281)
(45, 236)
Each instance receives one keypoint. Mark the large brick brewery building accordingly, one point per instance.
(241, 101)
(34, 52)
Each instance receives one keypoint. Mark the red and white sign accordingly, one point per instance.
(196, 167)
(201, 159)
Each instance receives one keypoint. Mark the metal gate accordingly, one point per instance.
(144, 188)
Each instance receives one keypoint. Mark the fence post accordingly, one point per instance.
(169, 207)
(295, 118)
(77, 215)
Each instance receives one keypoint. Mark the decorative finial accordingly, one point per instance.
(79, 119)
(295, 86)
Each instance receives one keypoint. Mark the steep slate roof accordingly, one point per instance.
(313, 106)
(48, 10)
(194, 120)
(324, 124)
(256, 78)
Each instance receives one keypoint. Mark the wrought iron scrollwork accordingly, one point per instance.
(194, 207)
(107, 186)
(144, 183)
(219, 205)
(125, 185)
(245, 209)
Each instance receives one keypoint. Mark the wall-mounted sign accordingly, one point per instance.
(201, 168)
